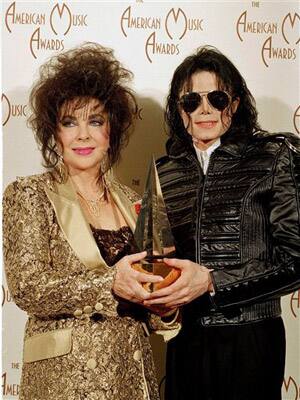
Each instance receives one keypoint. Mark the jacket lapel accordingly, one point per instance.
(74, 225)
(124, 205)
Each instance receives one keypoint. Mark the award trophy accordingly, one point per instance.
(153, 234)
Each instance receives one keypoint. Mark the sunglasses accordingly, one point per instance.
(216, 98)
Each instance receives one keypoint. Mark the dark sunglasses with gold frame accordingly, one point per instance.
(218, 99)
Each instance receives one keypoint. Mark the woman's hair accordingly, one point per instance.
(209, 59)
(80, 74)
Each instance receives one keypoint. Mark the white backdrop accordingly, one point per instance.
(151, 39)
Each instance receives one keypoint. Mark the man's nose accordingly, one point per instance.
(205, 107)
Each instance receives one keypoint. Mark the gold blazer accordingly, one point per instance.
(76, 344)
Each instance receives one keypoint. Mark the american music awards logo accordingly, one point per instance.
(291, 388)
(296, 119)
(164, 34)
(295, 304)
(49, 29)
(11, 109)
(9, 388)
(6, 296)
(279, 38)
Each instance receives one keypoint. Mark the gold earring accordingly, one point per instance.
(61, 168)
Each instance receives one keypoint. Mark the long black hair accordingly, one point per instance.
(210, 59)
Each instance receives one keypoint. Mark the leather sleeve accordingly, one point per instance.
(44, 276)
(259, 279)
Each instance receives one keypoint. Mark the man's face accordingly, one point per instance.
(206, 123)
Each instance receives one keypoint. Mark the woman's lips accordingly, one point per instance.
(206, 124)
(83, 151)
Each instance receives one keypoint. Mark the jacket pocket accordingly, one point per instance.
(47, 345)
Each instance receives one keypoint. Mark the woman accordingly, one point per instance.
(79, 343)
(232, 194)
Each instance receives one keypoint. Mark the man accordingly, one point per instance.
(232, 196)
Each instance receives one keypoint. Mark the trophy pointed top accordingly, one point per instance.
(153, 231)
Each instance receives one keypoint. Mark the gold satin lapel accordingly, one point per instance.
(74, 225)
(125, 206)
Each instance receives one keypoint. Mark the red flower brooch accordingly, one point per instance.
(137, 207)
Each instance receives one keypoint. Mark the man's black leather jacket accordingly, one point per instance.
(242, 220)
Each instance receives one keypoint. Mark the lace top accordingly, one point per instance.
(114, 244)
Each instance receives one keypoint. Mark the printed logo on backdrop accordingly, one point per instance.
(279, 38)
(296, 120)
(50, 28)
(166, 32)
(6, 109)
(291, 388)
(295, 303)
(139, 114)
(9, 388)
(11, 110)
(6, 296)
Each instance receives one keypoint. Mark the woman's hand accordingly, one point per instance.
(128, 281)
(194, 281)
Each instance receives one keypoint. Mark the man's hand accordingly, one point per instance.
(128, 282)
(194, 281)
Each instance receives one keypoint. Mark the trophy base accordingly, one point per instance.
(156, 267)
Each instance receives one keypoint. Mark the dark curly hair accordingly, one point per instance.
(82, 73)
(208, 58)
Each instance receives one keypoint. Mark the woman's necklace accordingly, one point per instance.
(93, 205)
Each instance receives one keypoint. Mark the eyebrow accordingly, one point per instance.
(96, 115)
(67, 116)
(89, 117)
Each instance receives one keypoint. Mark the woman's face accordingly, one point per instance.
(206, 124)
(83, 135)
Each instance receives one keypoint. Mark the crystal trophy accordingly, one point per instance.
(153, 234)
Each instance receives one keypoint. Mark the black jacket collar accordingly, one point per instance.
(232, 142)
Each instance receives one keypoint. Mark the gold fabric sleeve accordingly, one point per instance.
(44, 275)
